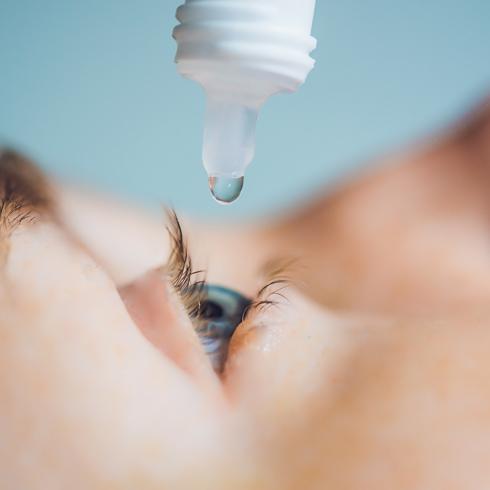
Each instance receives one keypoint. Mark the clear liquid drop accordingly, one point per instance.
(225, 190)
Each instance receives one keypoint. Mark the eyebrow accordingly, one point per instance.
(24, 195)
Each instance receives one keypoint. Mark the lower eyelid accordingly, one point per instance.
(272, 311)
(269, 298)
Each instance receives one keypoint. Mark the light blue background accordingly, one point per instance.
(89, 89)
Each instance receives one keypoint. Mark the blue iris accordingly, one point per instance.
(221, 311)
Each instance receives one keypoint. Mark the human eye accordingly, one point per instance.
(215, 311)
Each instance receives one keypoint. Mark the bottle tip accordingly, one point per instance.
(225, 190)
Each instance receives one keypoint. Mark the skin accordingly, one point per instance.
(372, 373)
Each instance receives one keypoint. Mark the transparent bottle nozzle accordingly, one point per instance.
(228, 145)
(241, 52)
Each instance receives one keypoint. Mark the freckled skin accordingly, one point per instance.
(372, 375)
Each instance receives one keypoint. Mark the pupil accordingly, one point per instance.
(211, 310)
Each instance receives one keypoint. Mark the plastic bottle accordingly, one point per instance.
(241, 52)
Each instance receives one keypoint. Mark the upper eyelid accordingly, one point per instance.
(190, 283)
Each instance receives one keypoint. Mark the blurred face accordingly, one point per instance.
(357, 359)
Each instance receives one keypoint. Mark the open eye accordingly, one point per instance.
(220, 312)
(214, 310)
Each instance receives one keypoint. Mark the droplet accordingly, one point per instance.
(225, 190)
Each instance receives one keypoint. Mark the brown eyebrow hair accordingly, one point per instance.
(24, 195)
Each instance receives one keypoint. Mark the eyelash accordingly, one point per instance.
(186, 281)
(278, 279)
(190, 284)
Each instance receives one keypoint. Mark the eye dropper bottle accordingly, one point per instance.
(241, 52)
